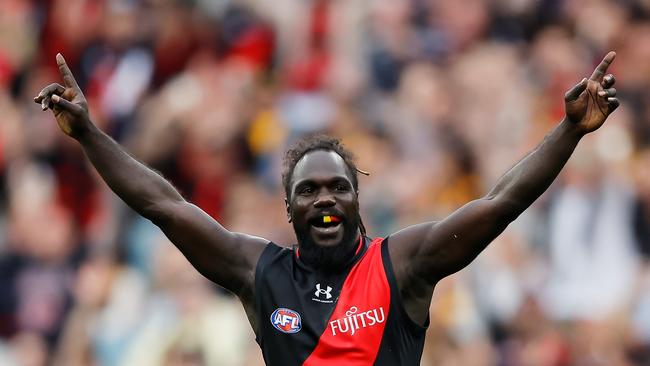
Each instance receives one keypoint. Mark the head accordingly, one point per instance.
(320, 179)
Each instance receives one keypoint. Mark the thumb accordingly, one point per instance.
(64, 104)
(575, 92)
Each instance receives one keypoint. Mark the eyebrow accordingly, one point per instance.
(338, 180)
(310, 181)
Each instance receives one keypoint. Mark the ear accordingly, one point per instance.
(286, 203)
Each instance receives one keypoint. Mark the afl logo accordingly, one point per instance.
(286, 320)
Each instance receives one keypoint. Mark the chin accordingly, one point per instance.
(327, 242)
(324, 252)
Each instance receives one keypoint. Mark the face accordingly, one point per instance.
(324, 209)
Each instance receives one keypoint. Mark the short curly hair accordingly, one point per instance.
(314, 142)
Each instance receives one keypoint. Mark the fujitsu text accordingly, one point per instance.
(354, 320)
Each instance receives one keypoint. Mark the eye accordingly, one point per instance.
(341, 187)
(305, 190)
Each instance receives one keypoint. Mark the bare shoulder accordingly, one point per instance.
(405, 244)
(226, 257)
(410, 238)
(251, 246)
(407, 249)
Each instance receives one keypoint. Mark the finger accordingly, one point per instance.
(575, 92)
(608, 81)
(44, 96)
(48, 91)
(68, 79)
(612, 104)
(601, 69)
(609, 93)
(63, 104)
(45, 103)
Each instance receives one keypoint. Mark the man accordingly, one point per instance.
(337, 297)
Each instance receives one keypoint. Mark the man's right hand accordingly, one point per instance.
(67, 102)
(590, 102)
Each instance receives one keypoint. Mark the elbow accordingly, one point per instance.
(160, 213)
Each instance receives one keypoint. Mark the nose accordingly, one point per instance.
(324, 199)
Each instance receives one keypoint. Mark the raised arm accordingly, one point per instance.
(224, 257)
(425, 253)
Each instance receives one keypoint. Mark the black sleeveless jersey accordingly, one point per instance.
(352, 318)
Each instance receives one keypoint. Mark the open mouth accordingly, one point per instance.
(327, 224)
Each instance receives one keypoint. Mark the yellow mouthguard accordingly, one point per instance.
(327, 219)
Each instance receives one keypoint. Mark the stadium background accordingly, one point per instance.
(436, 98)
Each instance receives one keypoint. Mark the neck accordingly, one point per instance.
(329, 259)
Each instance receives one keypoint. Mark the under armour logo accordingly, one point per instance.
(320, 291)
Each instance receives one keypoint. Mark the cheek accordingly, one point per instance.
(351, 203)
(298, 207)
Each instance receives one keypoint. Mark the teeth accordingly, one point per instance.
(328, 219)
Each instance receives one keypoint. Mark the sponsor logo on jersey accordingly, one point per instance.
(355, 320)
(323, 292)
(286, 320)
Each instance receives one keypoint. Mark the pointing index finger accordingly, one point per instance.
(68, 79)
(601, 69)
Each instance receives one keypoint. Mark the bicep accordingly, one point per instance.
(227, 258)
(431, 251)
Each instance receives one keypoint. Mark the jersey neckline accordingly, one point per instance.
(362, 246)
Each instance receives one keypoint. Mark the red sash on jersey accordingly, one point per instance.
(355, 329)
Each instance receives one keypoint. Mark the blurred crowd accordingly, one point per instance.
(436, 98)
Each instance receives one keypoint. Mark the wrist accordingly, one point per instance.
(571, 129)
(85, 134)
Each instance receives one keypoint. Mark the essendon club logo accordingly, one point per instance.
(286, 320)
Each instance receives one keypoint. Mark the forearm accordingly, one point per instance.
(138, 186)
(527, 180)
